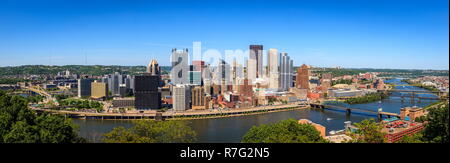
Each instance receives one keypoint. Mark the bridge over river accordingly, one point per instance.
(349, 110)
(415, 94)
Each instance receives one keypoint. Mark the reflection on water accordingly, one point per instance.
(231, 129)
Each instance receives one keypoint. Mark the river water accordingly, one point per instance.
(231, 129)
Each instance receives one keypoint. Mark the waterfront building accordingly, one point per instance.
(99, 90)
(84, 87)
(181, 97)
(318, 127)
(411, 113)
(345, 93)
(303, 75)
(256, 54)
(147, 95)
(286, 72)
(198, 98)
(180, 66)
(273, 69)
(123, 102)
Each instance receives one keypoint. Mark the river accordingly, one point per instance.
(231, 129)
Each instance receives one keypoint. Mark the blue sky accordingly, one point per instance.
(349, 33)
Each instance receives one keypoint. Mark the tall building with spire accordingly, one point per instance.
(147, 92)
(153, 68)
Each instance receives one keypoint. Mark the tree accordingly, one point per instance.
(436, 129)
(287, 131)
(415, 138)
(18, 124)
(148, 131)
(368, 131)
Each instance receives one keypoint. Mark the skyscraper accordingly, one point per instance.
(153, 68)
(273, 69)
(147, 95)
(256, 53)
(286, 72)
(303, 74)
(237, 73)
(251, 70)
(198, 96)
(181, 97)
(180, 66)
(114, 80)
(84, 87)
(99, 90)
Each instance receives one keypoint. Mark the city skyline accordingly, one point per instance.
(370, 34)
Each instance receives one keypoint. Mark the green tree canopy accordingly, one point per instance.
(18, 124)
(287, 131)
(148, 131)
(436, 129)
(368, 131)
(415, 138)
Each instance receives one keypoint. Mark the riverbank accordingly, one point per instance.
(186, 115)
(372, 97)
(429, 88)
(237, 115)
(231, 129)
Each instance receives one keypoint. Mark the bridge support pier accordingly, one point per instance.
(348, 111)
(380, 117)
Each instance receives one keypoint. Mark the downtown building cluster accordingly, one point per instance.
(200, 85)
(197, 85)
